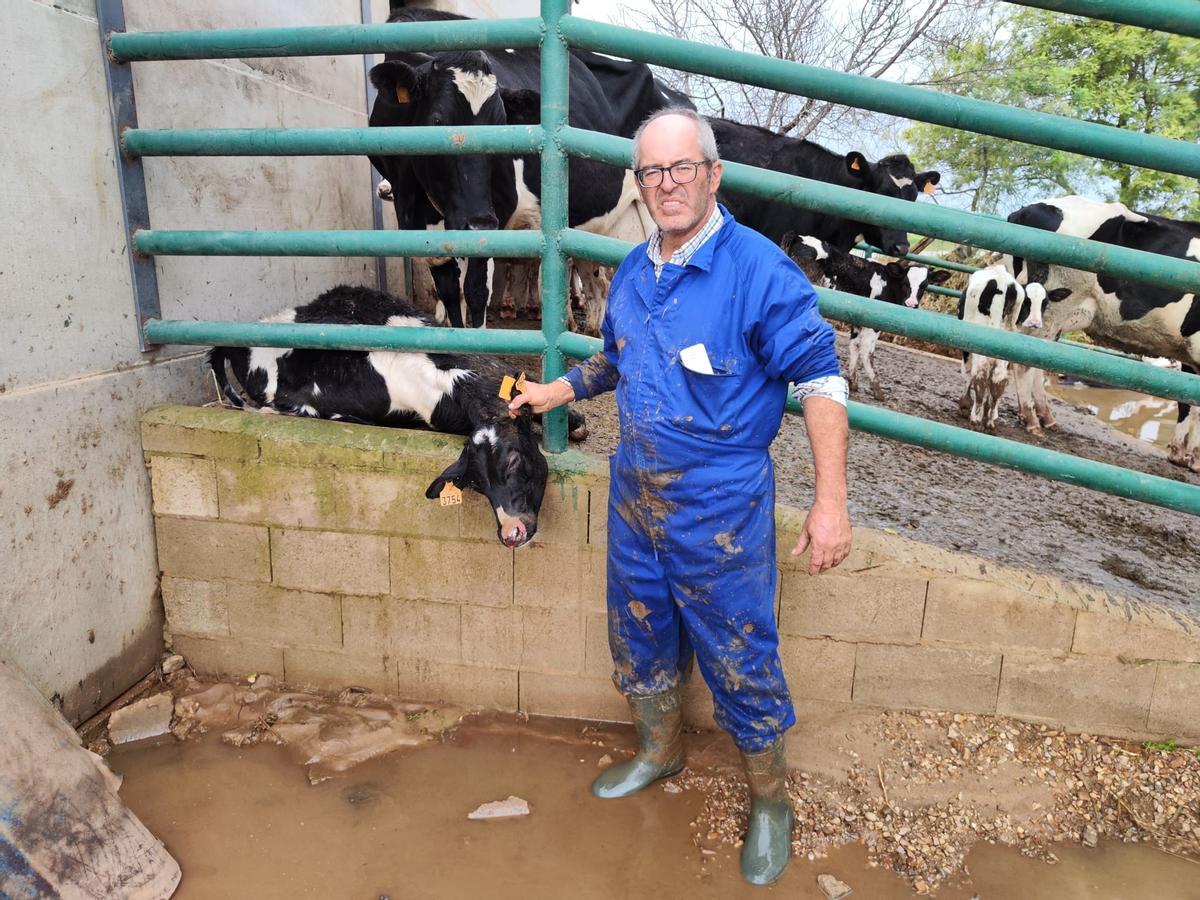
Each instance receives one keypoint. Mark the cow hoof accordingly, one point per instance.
(1177, 456)
(877, 392)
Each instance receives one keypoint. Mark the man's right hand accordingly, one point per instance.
(542, 397)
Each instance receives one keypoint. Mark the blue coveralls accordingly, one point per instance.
(691, 516)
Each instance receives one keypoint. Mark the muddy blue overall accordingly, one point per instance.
(691, 515)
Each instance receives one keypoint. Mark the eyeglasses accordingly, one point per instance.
(681, 173)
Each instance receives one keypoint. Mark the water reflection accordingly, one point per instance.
(1150, 419)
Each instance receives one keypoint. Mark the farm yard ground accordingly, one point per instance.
(1131, 549)
(887, 803)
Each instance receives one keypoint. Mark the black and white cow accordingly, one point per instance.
(892, 282)
(994, 297)
(1126, 315)
(892, 176)
(485, 192)
(501, 458)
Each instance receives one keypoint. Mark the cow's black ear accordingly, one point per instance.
(856, 164)
(939, 276)
(895, 269)
(926, 181)
(456, 472)
(1058, 294)
(396, 80)
(521, 106)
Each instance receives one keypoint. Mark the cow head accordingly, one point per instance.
(449, 89)
(1037, 298)
(892, 176)
(502, 461)
(906, 284)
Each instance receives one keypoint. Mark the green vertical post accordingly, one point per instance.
(555, 63)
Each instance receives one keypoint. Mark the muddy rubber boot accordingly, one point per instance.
(768, 844)
(659, 722)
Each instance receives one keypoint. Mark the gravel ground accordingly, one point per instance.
(1132, 549)
(920, 789)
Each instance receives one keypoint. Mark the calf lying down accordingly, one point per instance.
(455, 394)
(892, 282)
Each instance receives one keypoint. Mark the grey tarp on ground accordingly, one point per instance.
(63, 830)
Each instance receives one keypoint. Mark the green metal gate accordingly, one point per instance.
(554, 33)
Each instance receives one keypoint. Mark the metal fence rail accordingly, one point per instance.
(554, 32)
(923, 218)
(339, 243)
(326, 40)
(331, 141)
(981, 116)
(1178, 16)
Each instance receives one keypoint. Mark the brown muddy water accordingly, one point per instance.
(1150, 419)
(246, 822)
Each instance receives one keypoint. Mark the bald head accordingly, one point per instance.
(676, 126)
(675, 154)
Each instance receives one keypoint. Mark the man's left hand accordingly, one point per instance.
(827, 531)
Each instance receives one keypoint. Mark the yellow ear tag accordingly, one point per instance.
(402, 95)
(520, 385)
(450, 495)
(930, 187)
(506, 387)
(854, 165)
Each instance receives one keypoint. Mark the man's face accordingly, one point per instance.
(677, 208)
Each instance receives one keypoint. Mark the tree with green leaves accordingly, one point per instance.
(1118, 75)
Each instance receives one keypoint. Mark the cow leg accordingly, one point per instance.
(980, 388)
(1184, 449)
(477, 286)
(867, 348)
(449, 292)
(855, 351)
(1040, 401)
(997, 386)
(1023, 379)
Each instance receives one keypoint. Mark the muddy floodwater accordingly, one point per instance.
(246, 822)
(1149, 419)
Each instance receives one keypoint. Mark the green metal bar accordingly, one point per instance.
(923, 218)
(1021, 348)
(578, 346)
(994, 451)
(411, 141)
(326, 40)
(1050, 464)
(338, 243)
(586, 245)
(1176, 16)
(922, 104)
(923, 260)
(554, 74)
(944, 291)
(344, 337)
(948, 330)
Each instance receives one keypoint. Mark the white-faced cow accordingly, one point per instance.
(994, 297)
(501, 458)
(893, 282)
(485, 192)
(1126, 315)
(892, 176)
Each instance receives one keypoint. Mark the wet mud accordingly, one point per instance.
(1132, 549)
(246, 822)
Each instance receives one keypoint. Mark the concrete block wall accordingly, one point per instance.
(307, 549)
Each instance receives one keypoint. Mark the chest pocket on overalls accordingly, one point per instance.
(710, 403)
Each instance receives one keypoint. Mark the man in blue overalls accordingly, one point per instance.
(706, 325)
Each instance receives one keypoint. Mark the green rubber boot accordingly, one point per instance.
(659, 722)
(768, 844)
